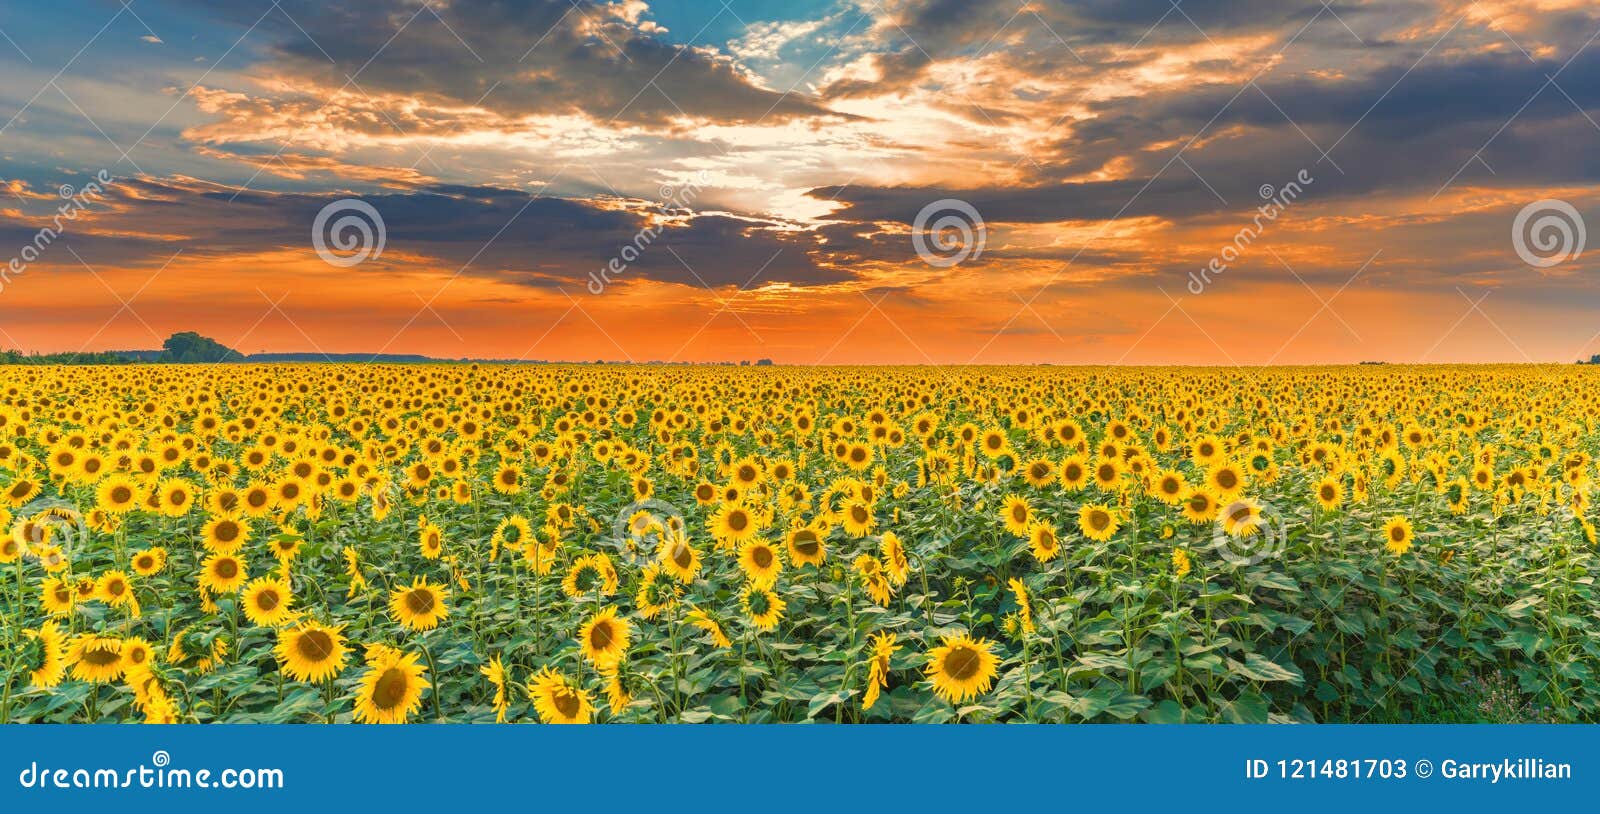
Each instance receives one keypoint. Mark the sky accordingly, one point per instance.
(1203, 182)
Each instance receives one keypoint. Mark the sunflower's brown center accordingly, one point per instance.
(420, 600)
(566, 702)
(601, 635)
(761, 556)
(1039, 470)
(1227, 478)
(102, 657)
(226, 569)
(806, 542)
(1327, 492)
(738, 521)
(226, 532)
(267, 600)
(1019, 513)
(961, 663)
(1099, 519)
(121, 494)
(314, 645)
(682, 556)
(390, 689)
(1397, 534)
(257, 498)
(747, 473)
(1239, 514)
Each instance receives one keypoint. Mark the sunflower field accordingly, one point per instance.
(463, 543)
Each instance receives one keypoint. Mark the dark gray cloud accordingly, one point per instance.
(547, 56)
(485, 231)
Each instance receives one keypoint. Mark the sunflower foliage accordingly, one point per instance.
(567, 544)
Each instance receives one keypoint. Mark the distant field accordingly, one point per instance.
(331, 543)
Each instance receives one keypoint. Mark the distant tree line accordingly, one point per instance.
(180, 348)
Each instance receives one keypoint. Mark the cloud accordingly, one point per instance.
(603, 61)
(506, 234)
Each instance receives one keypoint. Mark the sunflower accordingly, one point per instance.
(224, 534)
(702, 620)
(1098, 521)
(1200, 506)
(267, 601)
(962, 667)
(806, 547)
(176, 497)
(96, 659)
(895, 562)
(733, 524)
(1107, 474)
(1074, 473)
(1016, 514)
(604, 638)
(56, 596)
(114, 589)
(1241, 517)
(857, 518)
(495, 671)
(680, 559)
(762, 606)
(1397, 535)
(421, 606)
(1180, 563)
(148, 562)
(873, 578)
(1039, 472)
(21, 491)
(1169, 487)
(45, 655)
(1225, 480)
(136, 656)
(256, 501)
(1043, 542)
(430, 539)
(118, 494)
(657, 592)
(391, 688)
(1330, 493)
(883, 647)
(508, 481)
(311, 651)
(760, 562)
(559, 700)
(1457, 492)
(590, 574)
(223, 573)
(1024, 609)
